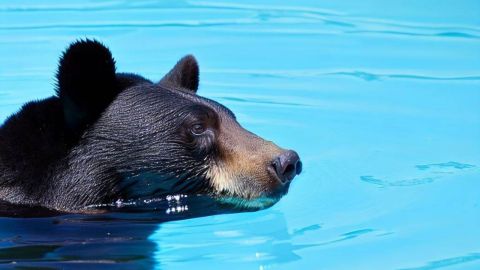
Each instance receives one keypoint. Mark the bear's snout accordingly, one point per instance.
(286, 166)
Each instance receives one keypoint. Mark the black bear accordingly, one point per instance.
(108, 136)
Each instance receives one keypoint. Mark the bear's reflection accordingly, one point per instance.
(134, 234)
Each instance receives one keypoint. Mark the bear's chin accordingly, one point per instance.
(247, 204)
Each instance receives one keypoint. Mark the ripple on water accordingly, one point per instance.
(396, 183)
(306, 229)
(277, 19)
(445, 165)
(360, 74)
(447, 262)
(433, 170)
(346, 237)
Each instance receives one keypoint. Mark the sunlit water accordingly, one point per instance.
(382, 102)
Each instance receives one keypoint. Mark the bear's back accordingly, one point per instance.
(31, 141)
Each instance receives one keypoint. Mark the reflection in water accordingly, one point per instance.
(75, 241)
(133, 233)
(117, 238)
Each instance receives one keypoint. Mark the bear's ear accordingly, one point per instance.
(86, 82)
(184, 74)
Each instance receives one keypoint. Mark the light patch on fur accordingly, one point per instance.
(232, 191)
(223, 181)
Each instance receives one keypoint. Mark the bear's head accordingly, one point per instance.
(148, 139)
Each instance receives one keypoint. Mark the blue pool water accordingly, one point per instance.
(381, 100)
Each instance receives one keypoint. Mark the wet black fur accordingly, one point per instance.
(103, 133)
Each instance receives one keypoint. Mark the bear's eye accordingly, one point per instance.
(197, 129)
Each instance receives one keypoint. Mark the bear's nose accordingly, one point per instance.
(287, 165)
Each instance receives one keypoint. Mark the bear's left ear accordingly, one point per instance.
(185, 74)
(86, 83)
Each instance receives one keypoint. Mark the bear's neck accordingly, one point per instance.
(87, 177)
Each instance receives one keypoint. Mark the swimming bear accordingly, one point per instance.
(108, 136)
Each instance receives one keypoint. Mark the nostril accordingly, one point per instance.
(289, 170)
(278, 168)
(298, 167)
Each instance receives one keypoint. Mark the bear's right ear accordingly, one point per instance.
(185, 74)
(86, 82)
